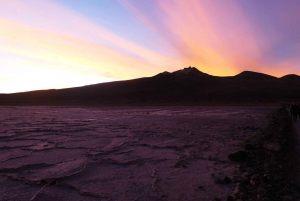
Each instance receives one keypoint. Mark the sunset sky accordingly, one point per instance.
(46, 44)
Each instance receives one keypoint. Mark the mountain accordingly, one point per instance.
(186, 86)
(254, 76)
(291, 78)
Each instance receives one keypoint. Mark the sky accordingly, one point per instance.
(52, 44)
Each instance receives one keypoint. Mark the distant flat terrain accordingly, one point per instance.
(122, 153)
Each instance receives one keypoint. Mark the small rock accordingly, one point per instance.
(242, 195)
(218, 181)
(254, 179)
(266, 179)
(275, 147)
(229, 198)
(261, 193)
(227, 180)
(249, 147)
(239, 156)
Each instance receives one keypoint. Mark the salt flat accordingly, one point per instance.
(122, 153)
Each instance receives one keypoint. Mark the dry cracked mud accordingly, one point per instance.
(122, 153)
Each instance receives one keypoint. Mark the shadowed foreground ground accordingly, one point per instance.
(271, 169)
(149, 153)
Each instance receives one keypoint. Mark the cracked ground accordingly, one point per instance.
(122, 153)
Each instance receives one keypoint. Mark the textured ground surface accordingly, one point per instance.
(149, 153)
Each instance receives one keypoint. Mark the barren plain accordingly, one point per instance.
(123, 153)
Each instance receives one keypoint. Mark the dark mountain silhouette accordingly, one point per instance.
(186, 86)
(291, 78)
(254, 76)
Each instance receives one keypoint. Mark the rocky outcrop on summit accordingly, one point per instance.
(190, 71)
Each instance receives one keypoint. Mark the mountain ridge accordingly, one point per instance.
(178, 87)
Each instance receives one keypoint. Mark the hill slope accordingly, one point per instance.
(188, 85)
